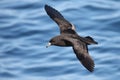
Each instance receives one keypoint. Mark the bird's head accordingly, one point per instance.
(53, 41)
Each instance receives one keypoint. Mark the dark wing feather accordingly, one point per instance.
(81, 51)
(64, 25)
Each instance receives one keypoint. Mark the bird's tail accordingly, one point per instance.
(89, 40)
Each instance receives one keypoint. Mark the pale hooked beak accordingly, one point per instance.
(49, 44)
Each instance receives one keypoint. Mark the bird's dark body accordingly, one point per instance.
(69, 38)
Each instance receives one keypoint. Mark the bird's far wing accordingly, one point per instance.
(60, 20)
(81, 52)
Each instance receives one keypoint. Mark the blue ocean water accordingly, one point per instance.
(25, 29)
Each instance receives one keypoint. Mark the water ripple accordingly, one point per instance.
(26, 29)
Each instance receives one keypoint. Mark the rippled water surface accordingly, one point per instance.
(25, 29)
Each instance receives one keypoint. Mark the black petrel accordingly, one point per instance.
(69, 37)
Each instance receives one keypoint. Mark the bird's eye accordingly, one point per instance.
(52, 41)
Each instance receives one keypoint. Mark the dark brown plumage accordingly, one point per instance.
(69, 37)
(59, 19)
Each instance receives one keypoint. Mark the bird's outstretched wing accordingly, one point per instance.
(81, 52)
(65, 26)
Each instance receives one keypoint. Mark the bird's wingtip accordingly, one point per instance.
(46, 6)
